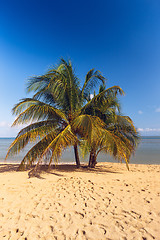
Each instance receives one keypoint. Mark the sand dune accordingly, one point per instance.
(108, 202)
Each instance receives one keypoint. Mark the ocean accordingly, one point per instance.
(148, 152)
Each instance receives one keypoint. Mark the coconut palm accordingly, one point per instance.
(56, 102)
(115, 134)
(61, 113)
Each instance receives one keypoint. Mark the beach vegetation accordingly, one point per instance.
(62, 113)
(104, 129)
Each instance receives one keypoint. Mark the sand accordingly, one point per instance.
(108, 202)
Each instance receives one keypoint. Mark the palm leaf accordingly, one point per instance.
(63, 140)
(23, 139)
(92, 79)
(88, 127)
(38, 83)
(35, 111)
(38, 149)
(37, 125)
(112, 90)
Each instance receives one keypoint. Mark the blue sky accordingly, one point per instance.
(120, 38)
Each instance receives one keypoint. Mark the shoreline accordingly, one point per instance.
(108, 202)
(85, 163)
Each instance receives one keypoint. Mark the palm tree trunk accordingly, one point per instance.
(94, 162)
(92, 159)
(76, 155)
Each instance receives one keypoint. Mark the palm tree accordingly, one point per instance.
(61, 113)
(56, 102)
(108, 130)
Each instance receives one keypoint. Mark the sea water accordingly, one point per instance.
(148, 152)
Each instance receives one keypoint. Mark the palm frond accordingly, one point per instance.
(88, 127)
(93, 78)
(35, 111)
(84, 147)
(38, 149)
(64, 85)
(37, 125)
(33, 135)
(38, 83)
(115, 146)
(63, 140)
(112, 90)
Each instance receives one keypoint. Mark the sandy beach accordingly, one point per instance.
(108, 202)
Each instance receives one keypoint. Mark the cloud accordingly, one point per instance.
(140, 112)
(157, 110)
(91, 96)
(4, 124)
(149, 129)
(7, 131)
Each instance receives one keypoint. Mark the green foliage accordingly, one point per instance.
(118, 135)
(61, 113)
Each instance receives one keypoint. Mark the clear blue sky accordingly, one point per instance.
(120, 38)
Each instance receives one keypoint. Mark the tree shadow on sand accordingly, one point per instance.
(99, 169)
(6, 167)
(59, 169)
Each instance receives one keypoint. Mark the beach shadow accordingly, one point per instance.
(99, 169)
(6, 167)
(59, 169)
